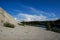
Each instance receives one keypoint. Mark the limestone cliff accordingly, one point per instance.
(5, 17)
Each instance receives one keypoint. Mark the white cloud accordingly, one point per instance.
(38, 15)
(28, 17)
(39, 12)
(15, 18)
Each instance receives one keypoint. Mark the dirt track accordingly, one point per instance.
(27, 33)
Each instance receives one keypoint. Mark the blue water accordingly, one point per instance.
(43, 26)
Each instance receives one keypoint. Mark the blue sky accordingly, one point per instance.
(32, 10)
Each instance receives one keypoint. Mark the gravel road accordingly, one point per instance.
(27, 33)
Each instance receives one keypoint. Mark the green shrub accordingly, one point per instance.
(8, 25)
(56, 29)
(19, 24)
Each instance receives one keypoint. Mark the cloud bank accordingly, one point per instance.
(28, 17)
(38, 15)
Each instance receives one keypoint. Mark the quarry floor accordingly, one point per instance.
(27, 33)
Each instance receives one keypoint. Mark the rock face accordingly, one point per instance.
(5, 17)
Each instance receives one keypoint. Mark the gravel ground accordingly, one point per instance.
(27, 33)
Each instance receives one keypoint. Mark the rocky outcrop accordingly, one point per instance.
(5, 17)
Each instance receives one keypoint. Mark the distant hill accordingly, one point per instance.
(52, 23)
